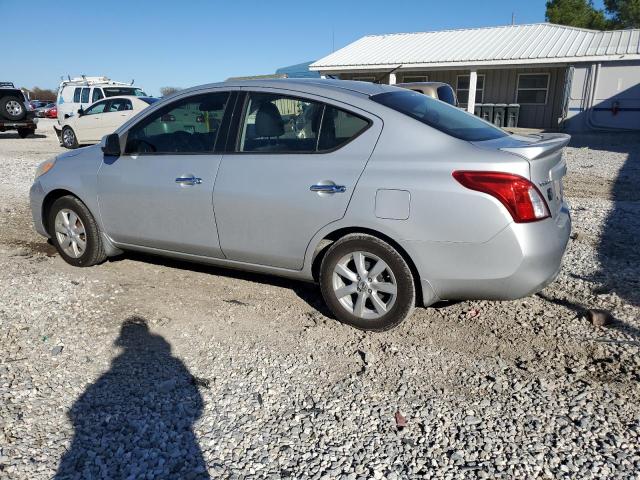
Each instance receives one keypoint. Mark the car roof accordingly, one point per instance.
(308, 85)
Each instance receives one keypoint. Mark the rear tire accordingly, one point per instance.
(12, 108)
(25, 132)
(69, 139)
(75, 233)
(366, 283)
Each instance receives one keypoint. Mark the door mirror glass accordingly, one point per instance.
(110, 145)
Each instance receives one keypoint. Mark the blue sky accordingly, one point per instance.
(190, 42)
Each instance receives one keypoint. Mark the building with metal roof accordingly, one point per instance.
(561, 77)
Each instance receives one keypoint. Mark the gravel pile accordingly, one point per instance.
(148, 368)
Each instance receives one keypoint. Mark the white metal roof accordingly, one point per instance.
(508, 45)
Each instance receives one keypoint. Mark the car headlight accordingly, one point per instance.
(44, 167)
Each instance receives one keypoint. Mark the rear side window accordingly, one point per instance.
(85, 95)
(97, 95)
(76, 95)
(439, 115)
(190, 125)
(280, 124)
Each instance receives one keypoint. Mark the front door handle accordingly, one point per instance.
(330, 188)
(189, 180)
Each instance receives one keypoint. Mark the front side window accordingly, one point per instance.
(189, 125)
(280, 124)
(76, 95)
(97, 95)
(96, 108)
(120, 105)
(462, 89)
(439, 115)
(532, 88)
(85, 95)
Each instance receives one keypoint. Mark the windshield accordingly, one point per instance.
(439, 115)
(117, 91)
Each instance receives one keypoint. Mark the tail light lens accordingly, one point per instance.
(521, 197)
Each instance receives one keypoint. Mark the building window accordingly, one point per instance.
(462, 89)
(365, 78)
(414, 78)
(532, 88)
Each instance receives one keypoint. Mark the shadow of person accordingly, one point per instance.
(136, 420)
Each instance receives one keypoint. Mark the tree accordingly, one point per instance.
(624, 13)
(44, 94)
(166, 91)
(577, 13)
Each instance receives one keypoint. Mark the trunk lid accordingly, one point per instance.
(546, 166)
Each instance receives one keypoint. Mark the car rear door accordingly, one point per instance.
(158, 194)
(293, 169)
(117, 112)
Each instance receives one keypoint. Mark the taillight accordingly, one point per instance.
(521, 197)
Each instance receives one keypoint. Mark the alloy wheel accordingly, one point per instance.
(14, 108)
(70, 233)
(365, 285)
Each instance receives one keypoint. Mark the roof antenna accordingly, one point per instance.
(513, 18)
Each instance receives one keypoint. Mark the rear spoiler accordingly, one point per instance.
(546, 144)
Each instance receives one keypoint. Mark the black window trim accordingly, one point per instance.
(233, 146)
(216, 150)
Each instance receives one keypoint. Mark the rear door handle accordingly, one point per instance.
(190, 180)
(331, 188)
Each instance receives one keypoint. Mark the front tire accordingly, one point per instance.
(75, 233)
(366, 283)
(69, 139)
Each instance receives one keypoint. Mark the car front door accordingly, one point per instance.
(118, 111)
(158, 193)
(86, 125)
(293, 170)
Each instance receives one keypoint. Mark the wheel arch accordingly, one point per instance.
(48, 201)
(323, 245)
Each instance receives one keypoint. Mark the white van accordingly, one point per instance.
(80, 92)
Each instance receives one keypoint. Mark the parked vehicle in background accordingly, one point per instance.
(15, 111)
(80, 92)
(389, 198)
(41, 112)
(100, 119)
(51, 112)
(440, 90)
(36, 104)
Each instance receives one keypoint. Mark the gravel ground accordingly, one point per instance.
(148, 368)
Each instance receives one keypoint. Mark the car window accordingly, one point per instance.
(119, 105)
(339, 127)
(189, 125)
(439, 115)
(85, 95)
(76, 95)
(96, 108)
(97, 95)
(275, 124)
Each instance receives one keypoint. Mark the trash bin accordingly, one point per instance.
(499, 112)
(513, 113)
(477, 111)
(487, 112)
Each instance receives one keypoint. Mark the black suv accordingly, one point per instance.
(14, 111)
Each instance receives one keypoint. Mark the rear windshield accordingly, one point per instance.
(439, 115)
(117, 91)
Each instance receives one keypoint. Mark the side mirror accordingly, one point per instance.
(110, 145)
(81, 111)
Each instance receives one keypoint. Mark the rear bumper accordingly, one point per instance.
(519, 261)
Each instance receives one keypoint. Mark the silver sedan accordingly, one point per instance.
(387, 198)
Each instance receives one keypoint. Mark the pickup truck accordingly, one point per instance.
(15, 112)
